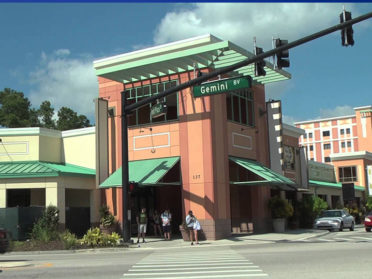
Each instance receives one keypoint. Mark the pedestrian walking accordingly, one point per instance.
(193, 226)
(156, 219)
(142, 225)
(166, 218)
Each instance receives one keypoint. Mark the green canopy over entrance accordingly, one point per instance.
(144, 172)
(266, 175)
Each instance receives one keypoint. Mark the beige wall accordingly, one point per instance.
(19, 148)
(50, 149)
(80, 150)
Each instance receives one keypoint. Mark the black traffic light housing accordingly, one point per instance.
(346, 33)
(282, 60)
(132, 187)
(259, 66)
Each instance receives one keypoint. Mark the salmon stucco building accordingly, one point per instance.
(344, 142)
(207, 154)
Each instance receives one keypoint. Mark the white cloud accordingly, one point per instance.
(290, 120)
(65, 81)
(240, 22)
(337, 111)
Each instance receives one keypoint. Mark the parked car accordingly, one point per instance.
(368, 222)
(336, 219)
(4, 240)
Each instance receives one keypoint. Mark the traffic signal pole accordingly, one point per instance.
(127, 109)
(125, 171)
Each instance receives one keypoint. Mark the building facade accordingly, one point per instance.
(41, 167)
(344, 142)
(211, 153)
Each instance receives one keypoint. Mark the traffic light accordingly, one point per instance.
(281, 61)
(132, 187)
(259, 66)
(346, 33)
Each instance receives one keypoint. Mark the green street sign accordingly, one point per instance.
(222, 86)
(158, 110)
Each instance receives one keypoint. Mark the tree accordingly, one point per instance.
(68, 119)
(16, 112)
(46, 113)
(14, 109)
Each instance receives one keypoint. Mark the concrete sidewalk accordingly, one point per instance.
(250, 239)
(153, 243)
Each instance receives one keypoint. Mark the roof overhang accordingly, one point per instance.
(338, 185)
(267, 176)
(144, 172)
(182, 56)
(352, 156)
(28, 169)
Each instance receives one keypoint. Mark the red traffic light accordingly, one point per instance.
(132, 187)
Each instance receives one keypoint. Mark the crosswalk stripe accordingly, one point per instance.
(207, 276)
(187, 264)
(208, 261)
(327, 240)
(364, 238)
(196, 272)
(192, 268)
(225, 264)
(342, 239)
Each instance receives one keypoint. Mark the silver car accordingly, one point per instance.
(336, 219)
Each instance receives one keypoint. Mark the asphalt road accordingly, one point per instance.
(322, 255)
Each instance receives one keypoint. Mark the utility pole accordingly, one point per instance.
(126, 110)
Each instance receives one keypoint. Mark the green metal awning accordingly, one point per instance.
(200, 52)
(29, 169)
(144, 172)
(332, 184)
(268, 176)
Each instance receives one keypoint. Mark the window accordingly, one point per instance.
(142, 115)
(310, 135)
(240, 107)
(347, 174)
(342, 131)
(327, 159)
(311, 147)
(348, 131)
(325, 133)
(327, 146)
(305, 136)
(342, 144)
(348, 144)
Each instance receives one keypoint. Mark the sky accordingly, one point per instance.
(47, 49)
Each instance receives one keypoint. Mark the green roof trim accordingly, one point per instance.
(332, 184)
(205, 51)
(144, 172)
(27, 169)
(269, 176)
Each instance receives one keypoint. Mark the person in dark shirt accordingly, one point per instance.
(142, 225)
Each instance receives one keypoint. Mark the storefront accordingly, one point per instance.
(201, 154)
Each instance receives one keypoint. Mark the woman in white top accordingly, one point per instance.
(193, 225)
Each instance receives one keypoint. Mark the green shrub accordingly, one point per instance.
(106, 217)
(309, 208)
(110, 239)
(369, 204)
(46, 228)
(280, 208)
(95, 238)
(69, 240)
(319, 205)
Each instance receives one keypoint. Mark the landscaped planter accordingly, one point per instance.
(279, 225)
(185, 233)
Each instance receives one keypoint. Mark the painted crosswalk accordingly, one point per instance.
(336, 238)
(194, 264)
